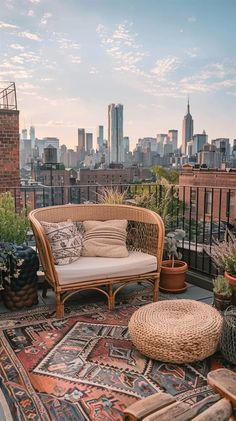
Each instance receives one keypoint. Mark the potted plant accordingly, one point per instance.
(223, 255)
(18, 262)
(222, 293)
(173, 270)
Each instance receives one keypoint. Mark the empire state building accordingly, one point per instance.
(187, 132)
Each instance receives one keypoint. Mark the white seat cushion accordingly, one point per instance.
(90, 268)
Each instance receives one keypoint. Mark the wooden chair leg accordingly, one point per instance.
(156, 289)
(111, 303)
(45, 288)
(59, 307)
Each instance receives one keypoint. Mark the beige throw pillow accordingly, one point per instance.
(65, 241)
(105, 239)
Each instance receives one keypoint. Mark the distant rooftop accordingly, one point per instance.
(8, 99)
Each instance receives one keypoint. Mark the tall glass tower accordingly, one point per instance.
(187, 133)
(115, 133)
(100, 138)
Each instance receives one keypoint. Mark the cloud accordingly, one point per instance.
(35, 1)
(5, 25)
(93, 70)
(165, 66)
(46, 79)
(212, 77)
(75, 59)
(60, 123)
(9, 4)
(192, 19)
(30, 13)
(192, 52)
(26, 86)
(16, 73)
(29, 35)
(66, 43)
(17, 47)
(122, 47)
(31, 57)
(17, 60)
(45, 18)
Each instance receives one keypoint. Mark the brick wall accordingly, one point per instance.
(9, 149)
(216, 191)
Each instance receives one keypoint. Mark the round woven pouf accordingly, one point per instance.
(177, 331)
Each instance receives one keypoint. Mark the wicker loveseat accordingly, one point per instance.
(145, 239)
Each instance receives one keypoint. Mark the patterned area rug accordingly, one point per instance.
(85, 366)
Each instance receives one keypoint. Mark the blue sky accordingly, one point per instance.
(71, 58)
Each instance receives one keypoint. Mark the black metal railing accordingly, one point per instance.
(203, 212)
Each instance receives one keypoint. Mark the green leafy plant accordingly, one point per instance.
(162, 201)
(10, 264)
(172, 242)
(223, 254)
(221, 286)
(13, 226)
(171, 176)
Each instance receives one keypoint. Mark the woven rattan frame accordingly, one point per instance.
(176, 331)
(145, 233)
(228, 336)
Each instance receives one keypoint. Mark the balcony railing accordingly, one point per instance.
(203, 212)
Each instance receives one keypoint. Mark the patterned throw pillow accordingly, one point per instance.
(65, 241)
(105, 239)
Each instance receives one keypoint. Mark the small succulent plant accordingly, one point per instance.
(221, 286)
(172, 242)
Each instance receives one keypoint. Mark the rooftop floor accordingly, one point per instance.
(193, 292)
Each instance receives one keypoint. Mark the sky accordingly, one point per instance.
(71, 58)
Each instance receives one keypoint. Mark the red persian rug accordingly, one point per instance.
(85, 367)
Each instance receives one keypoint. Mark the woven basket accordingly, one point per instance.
(228, 336)
(177, 331)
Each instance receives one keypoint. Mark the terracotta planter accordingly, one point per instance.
(232, 282)
(221, 302)
(173, 279)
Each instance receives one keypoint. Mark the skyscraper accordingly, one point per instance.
(89, 142)
(161, 137)
(32, 136)
(187, 132)
(173, 138)
(81, 144)
(100, 138)
(199, 140)
(24, 134)
(115, 133)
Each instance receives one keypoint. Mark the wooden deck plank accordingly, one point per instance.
(168, 413)
(147, 406)
(224, 382)
(194, 410)
(220, 411)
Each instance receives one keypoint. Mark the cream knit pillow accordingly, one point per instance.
(65, 241)
(105, 239)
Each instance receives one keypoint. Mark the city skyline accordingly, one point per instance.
(69, 61)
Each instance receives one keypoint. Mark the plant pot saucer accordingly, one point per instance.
(174, 291)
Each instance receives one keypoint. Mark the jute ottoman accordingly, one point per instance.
(177, 331)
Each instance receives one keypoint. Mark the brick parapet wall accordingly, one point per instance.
(9, 149)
